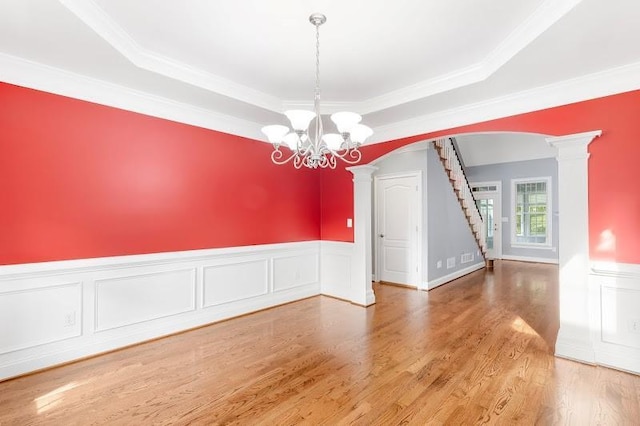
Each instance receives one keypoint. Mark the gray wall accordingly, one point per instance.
(446, 233)
(504, 172)
(449, 233)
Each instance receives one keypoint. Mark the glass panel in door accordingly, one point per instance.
(486, 211)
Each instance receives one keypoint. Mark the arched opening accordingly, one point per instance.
(573, 244)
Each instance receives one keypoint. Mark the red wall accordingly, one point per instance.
(80, 180)
(614, 173)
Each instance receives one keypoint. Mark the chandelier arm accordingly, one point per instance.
(305, 150)
(354, 154)
(299, 161)
(278, 157)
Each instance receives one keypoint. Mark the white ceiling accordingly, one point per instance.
(492, 148)
(407, 65)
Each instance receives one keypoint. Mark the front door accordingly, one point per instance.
(398, 205)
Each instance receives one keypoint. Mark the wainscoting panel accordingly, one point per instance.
(40, 315)
(136, 298)
(615, 315)
(55, 312)
(335, 269)
(295, 271)
(236, 281)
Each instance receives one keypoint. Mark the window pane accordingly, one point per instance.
(531, 216)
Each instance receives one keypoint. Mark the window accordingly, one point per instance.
(531, 212)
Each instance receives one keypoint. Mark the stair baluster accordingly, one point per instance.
(451, 162)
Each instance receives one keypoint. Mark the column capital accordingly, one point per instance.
(363, 171)
(573, 147)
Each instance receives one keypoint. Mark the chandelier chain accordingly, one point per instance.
(316, 102)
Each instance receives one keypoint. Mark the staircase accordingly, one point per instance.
(451, 162)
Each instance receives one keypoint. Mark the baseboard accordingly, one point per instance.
(63, 311)
(575, 350)
(455, 275)
(530, 259)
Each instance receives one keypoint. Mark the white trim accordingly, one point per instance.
(529, 259)
(38, 76)
(592, 86)
(336, 265)
(22, 72)
(617, 284)
(454, 275)
(9, 272)
(575, 300)
(169, 298)
(99, 21)
(615, 269)
(496, 183)
(549, 238)
(418, 218)
(361, 289)
(537, 23)
(496, 195)
(533, 247)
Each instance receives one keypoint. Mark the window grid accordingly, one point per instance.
(531, 212)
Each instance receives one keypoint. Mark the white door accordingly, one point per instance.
(398, 205)
(490, 205)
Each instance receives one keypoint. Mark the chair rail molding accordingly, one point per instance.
(574, 337)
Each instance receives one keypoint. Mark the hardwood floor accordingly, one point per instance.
(478, 350)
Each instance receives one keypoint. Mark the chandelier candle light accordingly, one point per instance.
(315, 149)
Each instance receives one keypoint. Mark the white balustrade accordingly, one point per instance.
(459, 182)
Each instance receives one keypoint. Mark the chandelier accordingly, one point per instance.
(307, 144)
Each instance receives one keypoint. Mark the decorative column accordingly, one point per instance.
(361, 270)
(573, 255)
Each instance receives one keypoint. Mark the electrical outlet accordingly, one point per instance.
(439, 264)
(451, 262)
(634, 325)
(70, 319)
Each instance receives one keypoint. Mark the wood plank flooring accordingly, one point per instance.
(475, 351)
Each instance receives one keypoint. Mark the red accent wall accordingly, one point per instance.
(614, 200)
(81, 180)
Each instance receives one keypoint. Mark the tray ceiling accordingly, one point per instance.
(392, 61)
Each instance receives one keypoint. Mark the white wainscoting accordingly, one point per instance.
(54, 312)
(614, 290)
(336, 269)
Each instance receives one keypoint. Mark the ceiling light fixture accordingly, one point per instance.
(315, 149)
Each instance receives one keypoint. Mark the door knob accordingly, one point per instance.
(381, 235)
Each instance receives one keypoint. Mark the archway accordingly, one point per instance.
(573, 252)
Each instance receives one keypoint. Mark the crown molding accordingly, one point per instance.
(100, 22)
(34, 75)
(608, 82)
(549, 12)
(544, 16)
